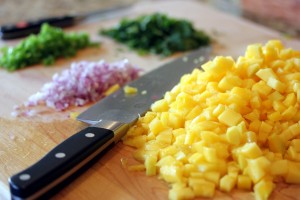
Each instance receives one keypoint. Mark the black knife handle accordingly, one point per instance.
(25, 28)
(60, 163)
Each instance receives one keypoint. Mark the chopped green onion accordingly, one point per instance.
(51, 43)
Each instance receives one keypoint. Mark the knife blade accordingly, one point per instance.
(109, 120)
(25, 28)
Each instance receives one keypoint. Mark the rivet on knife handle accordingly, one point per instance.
(61, 162)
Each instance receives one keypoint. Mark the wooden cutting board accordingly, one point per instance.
(24, 141)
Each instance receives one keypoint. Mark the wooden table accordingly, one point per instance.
(24, 141)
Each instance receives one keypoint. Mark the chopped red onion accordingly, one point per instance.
(82, 83)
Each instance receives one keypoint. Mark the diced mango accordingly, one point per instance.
(210, 154)
(244, 182)
(136, 168)
(202, 187)
(227, 183)
(230, 117)
(137, 141)
(293, 173)
(265, 74)
(150, 164)
(181, 192)
(276, 84)
(171, 173)
(279, 168)
(213, 176)
(251, 150)
(263, 189)
(233, 125)
(233, 135)
(160, 106)
(258, 168)
(229, 82)
(276, 144)
(130, 90)
(156, 126)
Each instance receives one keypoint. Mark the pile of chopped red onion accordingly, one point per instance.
(82, 83)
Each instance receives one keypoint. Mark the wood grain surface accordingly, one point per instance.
(25, 140)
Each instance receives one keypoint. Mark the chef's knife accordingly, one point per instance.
(110, 118)
(25, 28)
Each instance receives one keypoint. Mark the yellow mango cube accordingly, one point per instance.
(171, 173)
(255, 102)
(179, 192)
(181, 156)
(292, 154)
(209, 137)
(276, 96)
(276, 84)
(160, 106)
(234, 135)
(264, 132)
(251, 150)
(289, 113)
(254, 51)
(196, 158)
(202, 188)
(290, 100)
(210, 154)
(252, 69)
(262, 88)
(244, 182)
(250, 136)
(295, 129)
(279, 168)
(275, 116)
(255, 125)
(230, 117)
(135, 131)
(219, 65)
(227, 183)
(229, 82)
(156, 126)
(276, 144)
(265, 74)
(295, 143)
(137, 168)
(189, 169)
(263, 189)
(258, 168)
(278, 106)
(128, 90)
(150, 164)
(165, 137)
(213, 176)
(167, 160)
(137, 141)
(293, 174)
(170, 150)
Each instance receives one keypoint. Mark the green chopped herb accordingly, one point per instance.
(158, 34)
(50, 44)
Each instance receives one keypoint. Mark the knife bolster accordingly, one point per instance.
(118, 128)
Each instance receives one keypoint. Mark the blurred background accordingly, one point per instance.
(282, 15)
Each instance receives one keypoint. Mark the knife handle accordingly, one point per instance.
(25, 28)
(60, 163)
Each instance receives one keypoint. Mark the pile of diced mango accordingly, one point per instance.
(233, 125)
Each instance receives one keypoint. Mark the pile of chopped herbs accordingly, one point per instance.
(158, 34)
(50, 44)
